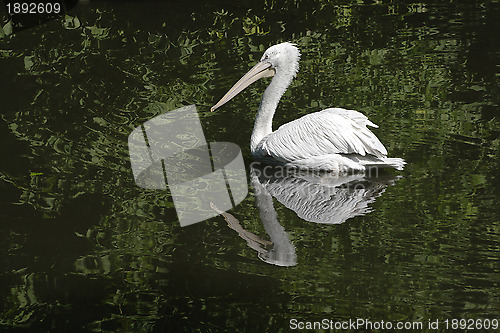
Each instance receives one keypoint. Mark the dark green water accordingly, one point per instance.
(83, 248)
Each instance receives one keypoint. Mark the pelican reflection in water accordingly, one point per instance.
(335, 139)
(315, 197)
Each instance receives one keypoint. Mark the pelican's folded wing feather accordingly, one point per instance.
(331, 131)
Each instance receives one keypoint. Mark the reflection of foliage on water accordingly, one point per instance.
(97, 76)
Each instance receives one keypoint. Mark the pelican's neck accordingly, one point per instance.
(264, 120)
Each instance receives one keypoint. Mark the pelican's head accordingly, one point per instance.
(279, 59)
(283, 58)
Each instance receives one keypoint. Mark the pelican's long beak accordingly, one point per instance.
(262, 69)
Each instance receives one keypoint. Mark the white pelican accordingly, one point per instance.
(334, 139)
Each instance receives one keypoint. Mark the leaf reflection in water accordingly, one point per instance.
(315, 197)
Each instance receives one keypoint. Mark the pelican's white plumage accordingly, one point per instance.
(331, 131)
(334, 139)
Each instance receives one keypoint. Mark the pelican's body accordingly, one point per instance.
(332, 140)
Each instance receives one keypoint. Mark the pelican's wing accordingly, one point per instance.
(331, 131)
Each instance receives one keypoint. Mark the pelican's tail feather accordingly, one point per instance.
(395, 162)
(384, 162)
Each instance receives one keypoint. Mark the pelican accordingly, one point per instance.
(333, 139)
